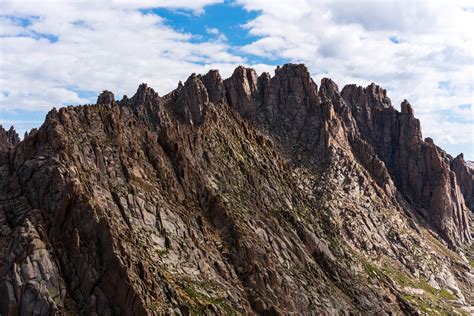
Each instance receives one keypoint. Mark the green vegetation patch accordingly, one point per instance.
(431, 302)
(201, 301)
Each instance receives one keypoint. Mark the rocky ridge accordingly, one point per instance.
(249, 195)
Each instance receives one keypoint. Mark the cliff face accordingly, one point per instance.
(417, 167)
(249, 195)
(465, 178)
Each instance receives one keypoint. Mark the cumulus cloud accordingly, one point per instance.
(418, 50)
(57, 52)
(216, 33)
(197, 6)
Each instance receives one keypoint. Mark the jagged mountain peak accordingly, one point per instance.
(106, 98)
(247, 195)
(372, 95)
(328, 88)
(406, 108)
(8, 138)
(145, 95)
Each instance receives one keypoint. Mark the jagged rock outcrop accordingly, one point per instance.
(241, 91)
(106, 98)
(249, 195)
(8, 138)
(417, 167)
(191, 99)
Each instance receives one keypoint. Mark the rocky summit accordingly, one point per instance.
(255, 194)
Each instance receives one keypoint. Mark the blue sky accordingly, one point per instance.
(59, 53)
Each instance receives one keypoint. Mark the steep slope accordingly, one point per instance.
(249, 195)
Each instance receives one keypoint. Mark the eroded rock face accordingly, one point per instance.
(249, 195)
(106, 98)
(8, 138)
(416, 166)
(241, 91)
(465, 178)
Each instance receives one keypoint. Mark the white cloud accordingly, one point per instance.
(51, 52)
(432, 65)
(215, 32)
(196, 5)
(212, 30)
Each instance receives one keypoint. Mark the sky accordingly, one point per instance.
(55, 53)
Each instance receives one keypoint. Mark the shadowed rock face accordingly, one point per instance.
(417, 167)
(8, 139)
(249, 195)
(465, 178)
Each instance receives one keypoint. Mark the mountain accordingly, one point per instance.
(250, 195)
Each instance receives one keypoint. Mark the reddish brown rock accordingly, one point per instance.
(250, 195)
(214, 86)
(241, 91)
(106, 98)
(190, 100)
(417, 168)
(465, 178)
(8, 138)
